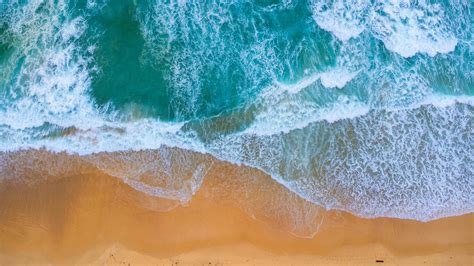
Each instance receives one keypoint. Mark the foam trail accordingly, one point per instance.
(337, 78)
(290, 115)
(334, 78)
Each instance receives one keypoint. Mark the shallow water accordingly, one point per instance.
(363, 106)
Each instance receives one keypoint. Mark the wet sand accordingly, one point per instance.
(95, 218)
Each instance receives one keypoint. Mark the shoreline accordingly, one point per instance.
(87, 218)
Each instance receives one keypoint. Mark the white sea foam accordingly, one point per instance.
(337, 78)
(301, 84)
(404, 27)
(52, 85)
(444, 101)
(344, 19)
(334, 78)
(140, 170)
(408, 30)
(292, 114)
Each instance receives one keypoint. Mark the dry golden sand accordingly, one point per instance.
(95, 218)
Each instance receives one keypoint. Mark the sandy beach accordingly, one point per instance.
(94, 218)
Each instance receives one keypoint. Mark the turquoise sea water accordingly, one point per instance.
(365, 106)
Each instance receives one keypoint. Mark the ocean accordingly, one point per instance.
(360, 106)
